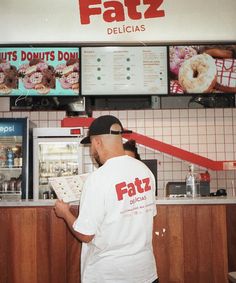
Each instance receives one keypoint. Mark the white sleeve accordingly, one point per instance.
(92, 208)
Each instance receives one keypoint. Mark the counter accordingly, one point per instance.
(159, 200)
(193, 241)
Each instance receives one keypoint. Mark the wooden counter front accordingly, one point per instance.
(190, 245)
(37, 247)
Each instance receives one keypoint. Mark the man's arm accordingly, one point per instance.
(62, 210)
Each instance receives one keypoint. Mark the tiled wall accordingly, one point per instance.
(208, 132)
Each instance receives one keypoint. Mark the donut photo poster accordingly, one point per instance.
(198, 69)
(39, 71)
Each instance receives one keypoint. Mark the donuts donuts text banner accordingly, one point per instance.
(79, 21)
(39, 71)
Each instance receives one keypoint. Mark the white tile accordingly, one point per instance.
(184, 131)
(201, 139)
(228, 130)
(43, 116)
(166, 122)
(166, 113)
(139, 114)
(193, 139)
(220, 156)
(131, 123)
(183, 122)
(229, 155)
(158, 132)
(52, 115)
(43, 124)
(219, 121)
(175, 123)
(175, 113)
(148, 123)
(175, 131)
(149, 114)
(202, 130)
(229, 147)
(34, 115)
(167, 139)
(175, 140)
(219, 130)
(184, 139)
(211, 148)
(210, 138)
(229, 139)
(201, 112)
(210, 112)
(167, 131)
(149, 132)
(228, 112)
(220, 138)
(201, 121)
(193, 148)
(202, 147)
(16, 114)
(210, 122)
(193, 130)
(192, 113)
(8, 115)
(131, 114)
(218, 112)
(157, 113)
(210, 130)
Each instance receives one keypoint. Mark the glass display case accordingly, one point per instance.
(57, 152)
(14, 158)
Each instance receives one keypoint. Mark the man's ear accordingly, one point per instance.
(97, 140)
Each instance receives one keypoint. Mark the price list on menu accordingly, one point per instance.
(124, 70)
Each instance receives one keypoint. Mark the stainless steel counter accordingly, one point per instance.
(159, 201)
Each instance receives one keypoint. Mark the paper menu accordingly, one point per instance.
(68, 188)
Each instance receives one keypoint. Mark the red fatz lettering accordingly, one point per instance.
(116, 14)
(132, 9)
(114, 10)
(120, 190)
(86, 11)
(152, 11)
(131, 189)
(146, 183)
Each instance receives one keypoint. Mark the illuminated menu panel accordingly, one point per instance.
(124, 70)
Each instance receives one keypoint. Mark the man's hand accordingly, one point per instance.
(62, 209)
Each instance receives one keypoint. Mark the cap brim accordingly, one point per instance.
(85, 140)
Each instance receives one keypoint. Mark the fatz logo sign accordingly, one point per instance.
(120, 11)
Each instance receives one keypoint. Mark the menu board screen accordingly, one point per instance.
(39, 71)
(201, 69)
(124, 70)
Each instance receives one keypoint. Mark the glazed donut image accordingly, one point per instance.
(198, 74)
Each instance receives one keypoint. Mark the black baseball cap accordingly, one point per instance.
(102, 126)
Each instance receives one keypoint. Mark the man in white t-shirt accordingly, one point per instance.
(117, 207)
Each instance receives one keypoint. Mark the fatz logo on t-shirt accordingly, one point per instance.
(139, 186)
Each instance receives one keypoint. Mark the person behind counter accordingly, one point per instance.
(131, 149)
(116, 238)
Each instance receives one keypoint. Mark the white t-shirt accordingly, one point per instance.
(117, 206)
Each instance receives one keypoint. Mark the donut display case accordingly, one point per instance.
(199, 69)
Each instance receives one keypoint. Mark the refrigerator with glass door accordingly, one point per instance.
(56, 152)
(15, 159)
